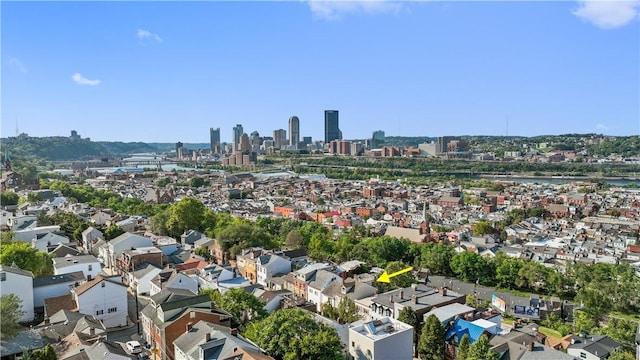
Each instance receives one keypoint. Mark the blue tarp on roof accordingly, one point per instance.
(461, 327)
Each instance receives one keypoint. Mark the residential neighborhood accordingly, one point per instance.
(156, 289)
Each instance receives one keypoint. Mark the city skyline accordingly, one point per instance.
(167, 72)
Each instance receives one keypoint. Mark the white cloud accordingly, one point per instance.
(146, 34)
(607, 14)
(336, 9)
(81, 80)
(18, 65)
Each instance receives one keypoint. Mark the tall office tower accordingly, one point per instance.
(331, 126)
(179, 150)
(237, 133)
(254, 139)
(377, 140)
(214, 138)
(294, 131)
(245, 143)
(279, 138)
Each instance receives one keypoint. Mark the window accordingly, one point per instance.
(90, 267)
(102, 284)
(112, 310)
(3, 276)
(99, 312)
(353, 344)
(583, 355)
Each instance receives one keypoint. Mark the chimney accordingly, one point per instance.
(189, 326)
(443, 291)
(391, 299)
(530, 346)
(401, 294)
(207, 337)
(46, 321)
(414, 299)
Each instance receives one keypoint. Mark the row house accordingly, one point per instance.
(50, 286)
(20, 283)
(419, 297)
(171, 313)
(317, 288)
(172, 279)
(105, 298)
(109, 252)
(270, 265)
(305, 275)
(129, 260)
(89, 265)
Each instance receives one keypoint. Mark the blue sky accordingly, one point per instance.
(168, 71)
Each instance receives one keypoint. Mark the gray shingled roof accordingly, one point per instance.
(76, 276)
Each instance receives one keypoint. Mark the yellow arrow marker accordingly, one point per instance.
(386, 277)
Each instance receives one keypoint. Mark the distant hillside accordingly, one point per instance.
(59, 148)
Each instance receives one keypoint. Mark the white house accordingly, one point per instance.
(140, 280)
(90, 236)
(100, 218)
(20, 222)
(382, 339)
(43, 242)
(116, 246)
(19, 282)
(268, 266)
(105, 298)
(175, 281)
(592, 347)
(271, 299)
(221, 278)
(315, 288)
(28, 235)
(49, 286)
(88, 264)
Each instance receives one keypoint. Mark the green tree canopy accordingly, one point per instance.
(186, 214)
(10, 314)
(431, 344)
(9, 197)
(244, 307)
(481, 350)
(46, 353)
(26, 258)
(463, 348)
(294, 334)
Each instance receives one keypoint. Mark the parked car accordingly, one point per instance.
(134, 347)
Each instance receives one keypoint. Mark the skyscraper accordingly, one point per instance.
(237, 133)
(214, 138)
(244, 144)
(331, 126)
(377, 140)
(279, 138)
(294, 131)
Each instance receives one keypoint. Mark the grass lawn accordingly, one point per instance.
(549, 332)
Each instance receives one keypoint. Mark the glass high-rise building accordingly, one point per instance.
(237, 134)
(377, 140)
(331, 126)
(294, 131)
(214, 140)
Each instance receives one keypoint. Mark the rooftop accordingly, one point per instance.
(379, 329)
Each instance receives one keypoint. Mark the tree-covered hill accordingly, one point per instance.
(60, 148)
